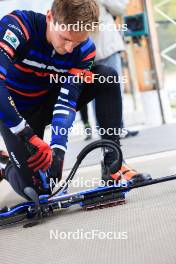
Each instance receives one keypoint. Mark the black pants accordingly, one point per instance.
(108, 104)
(108, 113)
(84, 115)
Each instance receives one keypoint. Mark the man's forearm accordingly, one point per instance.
(61, 125)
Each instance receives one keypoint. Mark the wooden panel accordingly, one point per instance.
(143, 65)
(134, 7)
(154, 45)
(142, 54)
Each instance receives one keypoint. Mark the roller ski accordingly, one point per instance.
(35, 211)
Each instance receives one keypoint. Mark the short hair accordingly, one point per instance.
(74, 11)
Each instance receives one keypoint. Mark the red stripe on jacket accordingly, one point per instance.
(26, 94)
(27, 70)
(7, 49)
(22, 26)
(90, 56)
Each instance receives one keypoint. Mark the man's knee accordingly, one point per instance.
(105, 71)
(106, 77)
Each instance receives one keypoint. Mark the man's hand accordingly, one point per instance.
(41, 152)
(56, 168)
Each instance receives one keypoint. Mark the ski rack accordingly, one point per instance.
(97, 198)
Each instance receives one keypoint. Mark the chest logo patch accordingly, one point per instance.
(11, 38)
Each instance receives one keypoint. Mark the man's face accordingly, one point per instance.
(63, 41)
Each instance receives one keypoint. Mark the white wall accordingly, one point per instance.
(40, 6)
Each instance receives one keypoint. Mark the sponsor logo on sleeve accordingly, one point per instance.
(11, 38)
(17, 29)
(7, 49)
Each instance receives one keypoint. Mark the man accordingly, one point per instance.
(113, 39)
(32, 49)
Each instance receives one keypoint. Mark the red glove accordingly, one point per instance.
(41, 153)
(43, 158)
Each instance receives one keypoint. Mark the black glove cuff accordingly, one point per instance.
(59, 153)
(26, 133)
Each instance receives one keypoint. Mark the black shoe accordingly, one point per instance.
(107, 159)
(88, 132)
(88, 137)
(130, 134)
(124, 173)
